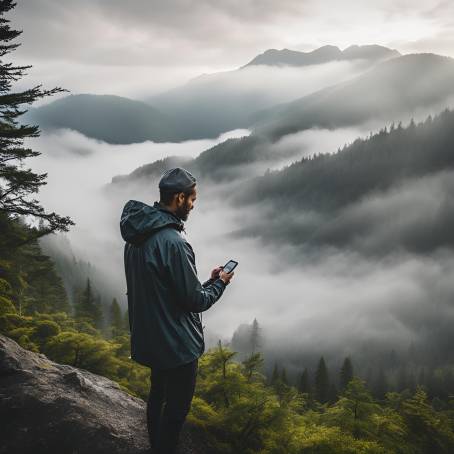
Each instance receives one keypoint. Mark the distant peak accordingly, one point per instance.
(323, 54)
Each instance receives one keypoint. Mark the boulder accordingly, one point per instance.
(49, 408)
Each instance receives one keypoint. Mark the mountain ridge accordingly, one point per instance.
(321, 55)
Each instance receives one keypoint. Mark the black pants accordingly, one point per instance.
(168, 404)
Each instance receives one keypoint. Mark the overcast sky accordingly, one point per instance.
(139, 47)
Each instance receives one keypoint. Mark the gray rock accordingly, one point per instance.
(49, 408)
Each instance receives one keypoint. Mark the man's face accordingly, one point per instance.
(185, 204)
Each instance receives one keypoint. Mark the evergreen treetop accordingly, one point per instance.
(18, 183)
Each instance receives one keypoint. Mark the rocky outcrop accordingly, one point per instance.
(49, 408)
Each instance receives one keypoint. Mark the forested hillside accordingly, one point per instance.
(346, 197)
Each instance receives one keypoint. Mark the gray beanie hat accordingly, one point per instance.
(176, 180)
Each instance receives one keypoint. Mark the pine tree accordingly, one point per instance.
(252, 365)
(88, 307)
(255, 336)
(275, 375)
(346, 373)
(303, 382)
(223, 356)
(116, 318)
(321, 382)
(18, 183)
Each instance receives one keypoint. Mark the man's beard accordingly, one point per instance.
(183, 211)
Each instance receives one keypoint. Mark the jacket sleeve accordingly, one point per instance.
(208, 282)
(190, 294)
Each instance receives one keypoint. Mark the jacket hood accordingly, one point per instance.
(139, 220)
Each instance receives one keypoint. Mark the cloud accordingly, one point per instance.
(328, 300)
(78, 169)
(165, 43)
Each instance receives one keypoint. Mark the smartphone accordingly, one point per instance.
(229, 266)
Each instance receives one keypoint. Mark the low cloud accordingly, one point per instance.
(325, 300)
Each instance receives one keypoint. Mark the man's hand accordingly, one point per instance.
(226, 277)
(218, 273)
(215, 272)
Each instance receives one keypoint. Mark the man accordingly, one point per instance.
(165, 298)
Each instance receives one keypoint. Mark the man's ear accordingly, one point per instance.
(180, 198)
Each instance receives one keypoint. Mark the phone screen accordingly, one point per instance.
(230, 266)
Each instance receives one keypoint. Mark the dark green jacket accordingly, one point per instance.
(164, 294)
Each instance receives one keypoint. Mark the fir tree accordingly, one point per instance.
(346, 373)
(252, 365)
(255, 336)
(116, 318)
(88, 307)
(321, 382)
(18, 183)
(303, 382)
(275, 375)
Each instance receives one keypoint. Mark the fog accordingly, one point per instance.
(325, 300)
(263, 85)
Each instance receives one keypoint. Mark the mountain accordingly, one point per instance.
(401, 86)
(112, 119)
(324, 54)
(48, 407)
(214, 103)
(390, 192)
(395, 89)
(207, 105)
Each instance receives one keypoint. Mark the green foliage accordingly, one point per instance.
(313, 439)
(44, 329)
(252, 366)
(431, 431)
(6, 304)
(353, 411)
(83, 351)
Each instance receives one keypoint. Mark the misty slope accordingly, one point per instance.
(219, 102)
(323, 54)
(113, 119)
(389, 192)
(401, 85)
(230, 160)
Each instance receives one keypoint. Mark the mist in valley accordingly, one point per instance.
(335, 301)
(369, 278)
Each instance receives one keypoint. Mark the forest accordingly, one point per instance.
(238, 405)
